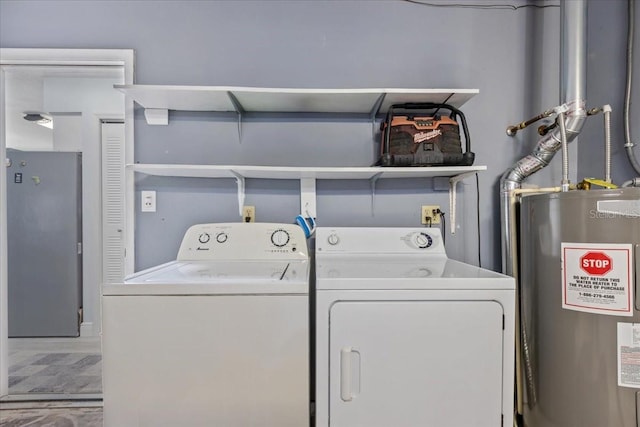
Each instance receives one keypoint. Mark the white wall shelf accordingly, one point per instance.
(308, 176)
(291, 172)
(157, 100)
(286, 100)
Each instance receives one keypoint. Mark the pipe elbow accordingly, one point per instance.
(635, 182)
(545, 149)
(574, 125)
(510, 180)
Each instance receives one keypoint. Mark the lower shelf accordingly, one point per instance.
(291, 172)
(309, 175)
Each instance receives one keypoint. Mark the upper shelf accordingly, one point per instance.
(286, 100)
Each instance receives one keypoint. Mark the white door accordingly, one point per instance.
(416, 363)
(113, 192)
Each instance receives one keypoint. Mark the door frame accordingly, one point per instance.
(58, 57)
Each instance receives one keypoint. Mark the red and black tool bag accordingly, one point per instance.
(419, 134)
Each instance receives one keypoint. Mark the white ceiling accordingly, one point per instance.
(36, 88)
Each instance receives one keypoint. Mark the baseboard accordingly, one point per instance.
(86, 329)
(50, 400)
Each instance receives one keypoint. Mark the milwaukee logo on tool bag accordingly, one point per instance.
(425, 136)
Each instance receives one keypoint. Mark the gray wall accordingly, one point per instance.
(606, 80)
(510, 55)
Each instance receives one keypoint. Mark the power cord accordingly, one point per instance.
(443, 223)
(478, 219)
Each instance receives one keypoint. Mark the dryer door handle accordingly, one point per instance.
(349, 373)
(345, 374)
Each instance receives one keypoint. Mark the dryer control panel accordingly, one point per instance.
(370, 240)
(249, 241)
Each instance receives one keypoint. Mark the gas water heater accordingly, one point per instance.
(580, 302)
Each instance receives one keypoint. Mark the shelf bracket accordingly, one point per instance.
(156, 116)
(373, 181)
(453, 182)
(308, 197)
(374, 113)
(240, 110)
(241, 194)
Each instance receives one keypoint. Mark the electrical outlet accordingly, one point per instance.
(148, 201)
(430, 214)
(249, 213)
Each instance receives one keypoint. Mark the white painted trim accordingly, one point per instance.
(17, 56)
(86, 329)
(4, 312)
(69, 57)
(129, 177)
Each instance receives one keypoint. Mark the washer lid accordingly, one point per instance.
(216, 277)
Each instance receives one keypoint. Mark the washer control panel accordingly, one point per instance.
(379, 240)
(251, 241)
(280, 238)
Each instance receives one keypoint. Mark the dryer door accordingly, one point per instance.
(410, 363)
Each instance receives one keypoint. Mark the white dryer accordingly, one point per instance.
(219, 337)
(406, 337)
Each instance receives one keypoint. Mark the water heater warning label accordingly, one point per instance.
(596, 278)
(629, 355)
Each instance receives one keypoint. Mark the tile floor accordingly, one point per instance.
(53, 368)
(55, 365)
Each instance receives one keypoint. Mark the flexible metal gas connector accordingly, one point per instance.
(512, 130)
(560, 110)
(607, 142)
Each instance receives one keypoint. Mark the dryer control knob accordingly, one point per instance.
(221, 237)
(423, 240)
(333, 239)
(204, 238)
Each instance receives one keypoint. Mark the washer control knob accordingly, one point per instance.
(280, 238)
(333, 239)
(423, 240)
(221, 237)
(204, 238)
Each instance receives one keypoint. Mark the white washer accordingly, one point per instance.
(406, 337)
(219, 337)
